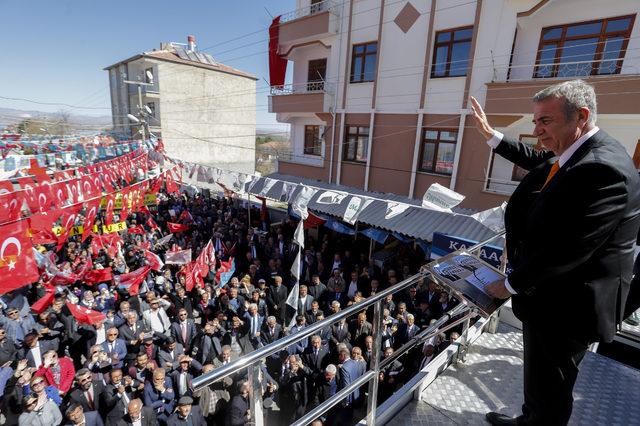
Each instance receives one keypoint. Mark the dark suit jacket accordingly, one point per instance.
(114, 404)
(148, 418)
(265, 334)
(570, 243)
(176, 332)
(128, 335)
(237, 410)
(164, 357)
(277, 297)
(77, 395)
(91, 418)
(195, 417)
(318, 363)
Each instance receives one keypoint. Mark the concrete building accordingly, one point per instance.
(203, 110)
(389, 82)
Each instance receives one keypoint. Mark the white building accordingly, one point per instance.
(394, 77)
(204, 111)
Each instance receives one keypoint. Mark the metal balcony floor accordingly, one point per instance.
(606, 392)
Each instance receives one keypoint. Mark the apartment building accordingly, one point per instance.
(389, 82)
(203, 110)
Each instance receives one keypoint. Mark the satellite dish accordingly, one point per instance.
(133, 118)
(146, 108)
(149, 76)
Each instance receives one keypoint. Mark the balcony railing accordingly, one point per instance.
(306, 11)
(460, 314)
(318, 86)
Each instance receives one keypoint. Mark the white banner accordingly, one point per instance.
(355, 207)
(268, 184)
(287, 191)
(394, 209)
(492, 218)
(331, 197)
(299, 206)
(441, 198)
(298, 236)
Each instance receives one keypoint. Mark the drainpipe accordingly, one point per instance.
(416, 153)
(340, 144)
(335, 98)
(369, 149)
(456, 158)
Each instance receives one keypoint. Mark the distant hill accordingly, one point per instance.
(12, 116)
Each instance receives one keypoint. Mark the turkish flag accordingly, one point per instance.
(156, 185)
(172, 188)
(95, 276)
(88, 188)
(177, 227)
(68, 221)
(97, 183)
(59, 193)
(44, 198)
(153, 260)
(108, 216)
(73, 190)
(90, 215)
(85, 315)
(191, 275)
(107, 182)
(151, 223)
(124, 212)
(132, 280)
(185, 215)
(6, 186)
(204, 259)
(138, 229)
(144, 209)
(41, 224)
(17, 263)
(45, 301)
(10, 206)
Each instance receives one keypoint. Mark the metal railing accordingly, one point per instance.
(316, 86)
(312, 9)
(252, 361)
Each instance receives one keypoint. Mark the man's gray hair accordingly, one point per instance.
(576, 93)
(331, 369)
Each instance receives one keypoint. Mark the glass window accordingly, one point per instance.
(451, 52)
(356, 144)
(438, 151)
(583, 49)
(363, 62)
(312, 141)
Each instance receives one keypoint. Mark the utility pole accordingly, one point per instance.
(144, 131)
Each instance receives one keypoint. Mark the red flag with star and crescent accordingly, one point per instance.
(177, 227)
(10, 205)
(68, 221)
(85, 315)
(92, 207)
(17, 263)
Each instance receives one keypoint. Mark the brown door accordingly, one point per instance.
(316, 75)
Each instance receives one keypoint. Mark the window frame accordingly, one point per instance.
(309, 149)
(602, 36)
(363, 55)
(356, 135)
(449, 44)
(423, 141)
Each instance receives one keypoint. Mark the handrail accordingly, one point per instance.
(252, 359)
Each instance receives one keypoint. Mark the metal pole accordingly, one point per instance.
(140, 108)
(254, 374)
(372, 400)
(371, 243)
(249, 209)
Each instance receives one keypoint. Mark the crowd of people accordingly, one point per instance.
(135, 365)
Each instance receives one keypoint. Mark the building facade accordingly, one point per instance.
(389, 82)
(203, 110)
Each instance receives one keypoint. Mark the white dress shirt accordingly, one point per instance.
(562, 160)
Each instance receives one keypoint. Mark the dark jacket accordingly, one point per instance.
(570, 243)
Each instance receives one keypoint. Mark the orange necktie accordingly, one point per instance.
(552, 172)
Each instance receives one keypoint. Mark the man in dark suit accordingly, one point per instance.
(183, 376)
(169, 355)
(117, 396)
(77, 416)
(115, 348)
(132, 332)
(88, 393)
(271, 331)
(239, 410)
(184, 330)
(570, 224)
(276, 299)
(137, 413)
(186, 414)
(315, 356)
(339, 334)
(359, 328)
(34, 349)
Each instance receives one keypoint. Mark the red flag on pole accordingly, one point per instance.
(132, 280)
(10, 206)
(90, 215)
(152, 224)
(153, 260)
(45, 301)
(17, 262)
(85, 315)
(95, 276)
(177, 227)
(108, 216)
(138, 229)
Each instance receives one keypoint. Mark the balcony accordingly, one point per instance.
(617, 94)
(306, 24)
(309, 97)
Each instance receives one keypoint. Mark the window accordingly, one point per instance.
(316, 74)
(363, 62)
(451, 52)
(312, 142)
(152, 107)
(518, 172)
(438, 151)
(582, 49)
(317, 6)
(356, 143)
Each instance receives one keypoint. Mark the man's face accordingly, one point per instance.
(142, 361)
(316, 343)
(85, 381)
(554, 131)
(329, 376)
(76, 415)
(116, 376)
(158, 379)
(303, 291)
(124, 307)
(112, 335)
(226, 355)
(184, 410)
(182, 315)
(134, 411)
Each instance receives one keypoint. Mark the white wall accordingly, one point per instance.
(297, 141)
(208, 117)
(566, 12)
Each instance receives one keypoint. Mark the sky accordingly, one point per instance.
(55, 51)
